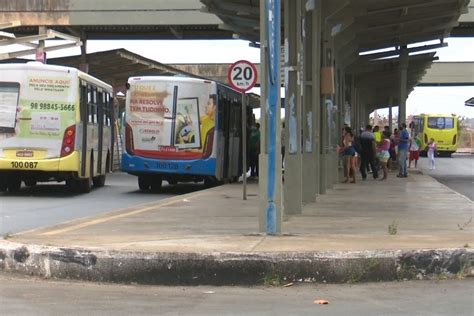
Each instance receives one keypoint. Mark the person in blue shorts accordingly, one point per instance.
(348, 155)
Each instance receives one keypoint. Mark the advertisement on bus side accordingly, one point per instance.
(171, 119)
(35, 109)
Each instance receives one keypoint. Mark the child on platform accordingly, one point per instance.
(383, 154)
(431, 153)
(415, 146)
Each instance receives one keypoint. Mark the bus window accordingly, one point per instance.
(95, 107)
(104, 108)
(109, 109)
(89, 105)
(9, 94)
(440, 122)
(448, 122)
(93, 110)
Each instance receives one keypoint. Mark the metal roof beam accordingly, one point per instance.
(151, 64)
(361, 58)
(124, 71)
(411, 20)
(7, 25)
(406, 39)
(33, 51)
(250, 34)
(339, 12)
(387, 35)
(231, 14)
(384, 65)
(26, 41)
(415, 4)
(239, 8)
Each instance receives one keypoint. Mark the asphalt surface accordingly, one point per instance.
(51, 203)
(30, 296)
(456, 172)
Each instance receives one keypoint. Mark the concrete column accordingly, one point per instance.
(340, 121)
(263, 157)
(309, 98)
(327, 170)
(364, 115)
(293, 185)
(355, 110)
(361, 112)
(269, 203)
(353, 102)
(316, 91)
(402, 112)
(359, 105)
(390, 115)
(323, 147)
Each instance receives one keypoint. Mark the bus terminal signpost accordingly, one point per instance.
(242, 76)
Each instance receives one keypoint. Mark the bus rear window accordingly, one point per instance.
(440, 122)
(9, 92)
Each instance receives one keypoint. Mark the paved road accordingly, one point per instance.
(456, 172)
(50, 204)
(26, 296)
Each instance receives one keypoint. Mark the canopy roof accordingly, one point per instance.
(361, 26)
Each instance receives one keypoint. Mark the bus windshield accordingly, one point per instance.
(441, 122)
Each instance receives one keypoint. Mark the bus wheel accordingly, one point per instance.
(144, 183)
(156, 183)
(30, 182)
(210, 182)
(13, 185)
(3, 184)
(84, 185)
(172, 181)
(99, 181)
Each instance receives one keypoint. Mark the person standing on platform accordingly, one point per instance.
(403, 144)
(415, 146)
(377, 134)
(367, 154)
(378, 140)
(349, 155)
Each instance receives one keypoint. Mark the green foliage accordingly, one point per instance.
(272, 280)
(393, 228)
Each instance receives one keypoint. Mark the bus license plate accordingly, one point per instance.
(24, 164)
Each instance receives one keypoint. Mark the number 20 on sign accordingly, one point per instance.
(242, 75)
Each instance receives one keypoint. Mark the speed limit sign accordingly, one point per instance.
(242, 75)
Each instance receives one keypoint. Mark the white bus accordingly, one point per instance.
(56, 124)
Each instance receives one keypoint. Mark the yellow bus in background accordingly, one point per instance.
(444, 129)
(56, 124)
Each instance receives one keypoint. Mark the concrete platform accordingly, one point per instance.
(212, 237)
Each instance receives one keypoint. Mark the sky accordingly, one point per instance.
(441, 100)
